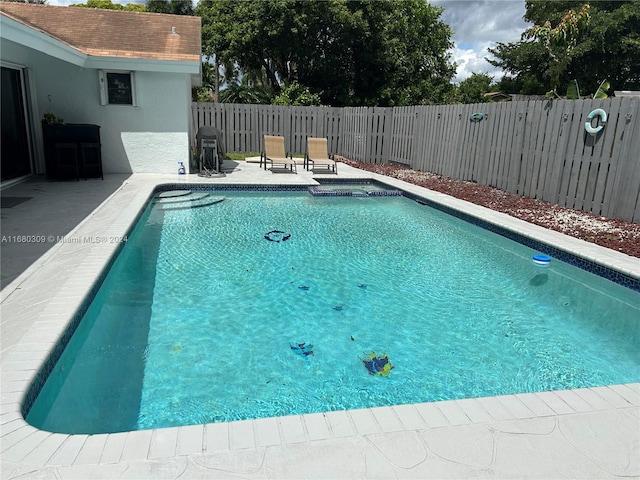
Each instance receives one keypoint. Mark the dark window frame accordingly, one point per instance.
(117, 88)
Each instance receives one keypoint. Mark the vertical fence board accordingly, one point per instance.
(548, 150)
(439, 124)
(474, 132)
(429, 149)
(554, 132)
(442, 126)
(517, 154)
(622, 200)
(537, 115)
(419, 132)
(483, 158)
(576, 165)
(462, 154)
(557, 138)
(498, 123)
(506, 127)
(565, 167)
(528, 165)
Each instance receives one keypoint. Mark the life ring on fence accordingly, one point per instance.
(476, 117)
(598, 112)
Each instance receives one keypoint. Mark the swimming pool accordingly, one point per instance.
(194, 313)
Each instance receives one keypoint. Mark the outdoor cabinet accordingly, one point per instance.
(72, 151)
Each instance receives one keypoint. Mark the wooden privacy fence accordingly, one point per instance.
(244, 125)
(539, 148)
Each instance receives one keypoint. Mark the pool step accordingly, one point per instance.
(185, 199)
(205, 202)
(174, 193)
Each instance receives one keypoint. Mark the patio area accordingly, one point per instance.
(57, 239)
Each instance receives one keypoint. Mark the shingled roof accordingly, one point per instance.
(113, 33)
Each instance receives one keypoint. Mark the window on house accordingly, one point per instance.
(117, 88)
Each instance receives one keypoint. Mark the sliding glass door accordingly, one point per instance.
(16, 160)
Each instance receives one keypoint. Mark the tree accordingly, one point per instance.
(296, 94)
(347, 52)
(175, 7)
(473, 88)
(108, 5)
(560, 42)
(606, 48)
(249, 88)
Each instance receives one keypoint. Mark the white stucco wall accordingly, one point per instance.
(150, 137)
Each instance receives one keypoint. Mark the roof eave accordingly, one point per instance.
(32, 38)
(143, 64)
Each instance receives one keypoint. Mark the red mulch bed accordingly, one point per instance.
(614, 234)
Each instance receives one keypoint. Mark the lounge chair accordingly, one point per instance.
(318, 155)
(274, 153)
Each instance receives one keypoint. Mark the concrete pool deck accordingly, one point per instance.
(584, 433)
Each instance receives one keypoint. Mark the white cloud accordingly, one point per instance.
(479, 25)
(472, 60)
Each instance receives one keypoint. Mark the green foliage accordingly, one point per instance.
(560, 41)
(240, 156)
(298, 95)
(347, 52)
(602, 90)
(108, 5)
(573, 92)
(524, 84)
(175, 7)
(247, 89)
(473, 88)
(606, 47)
(134, 7)
(202, 94)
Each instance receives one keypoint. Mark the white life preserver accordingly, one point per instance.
(598, 112)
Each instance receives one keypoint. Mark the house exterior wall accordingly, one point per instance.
(150, 137)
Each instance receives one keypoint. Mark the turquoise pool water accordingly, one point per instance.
(195, 321)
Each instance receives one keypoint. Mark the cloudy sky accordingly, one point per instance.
(477, 25)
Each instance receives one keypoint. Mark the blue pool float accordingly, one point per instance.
(540, 260)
